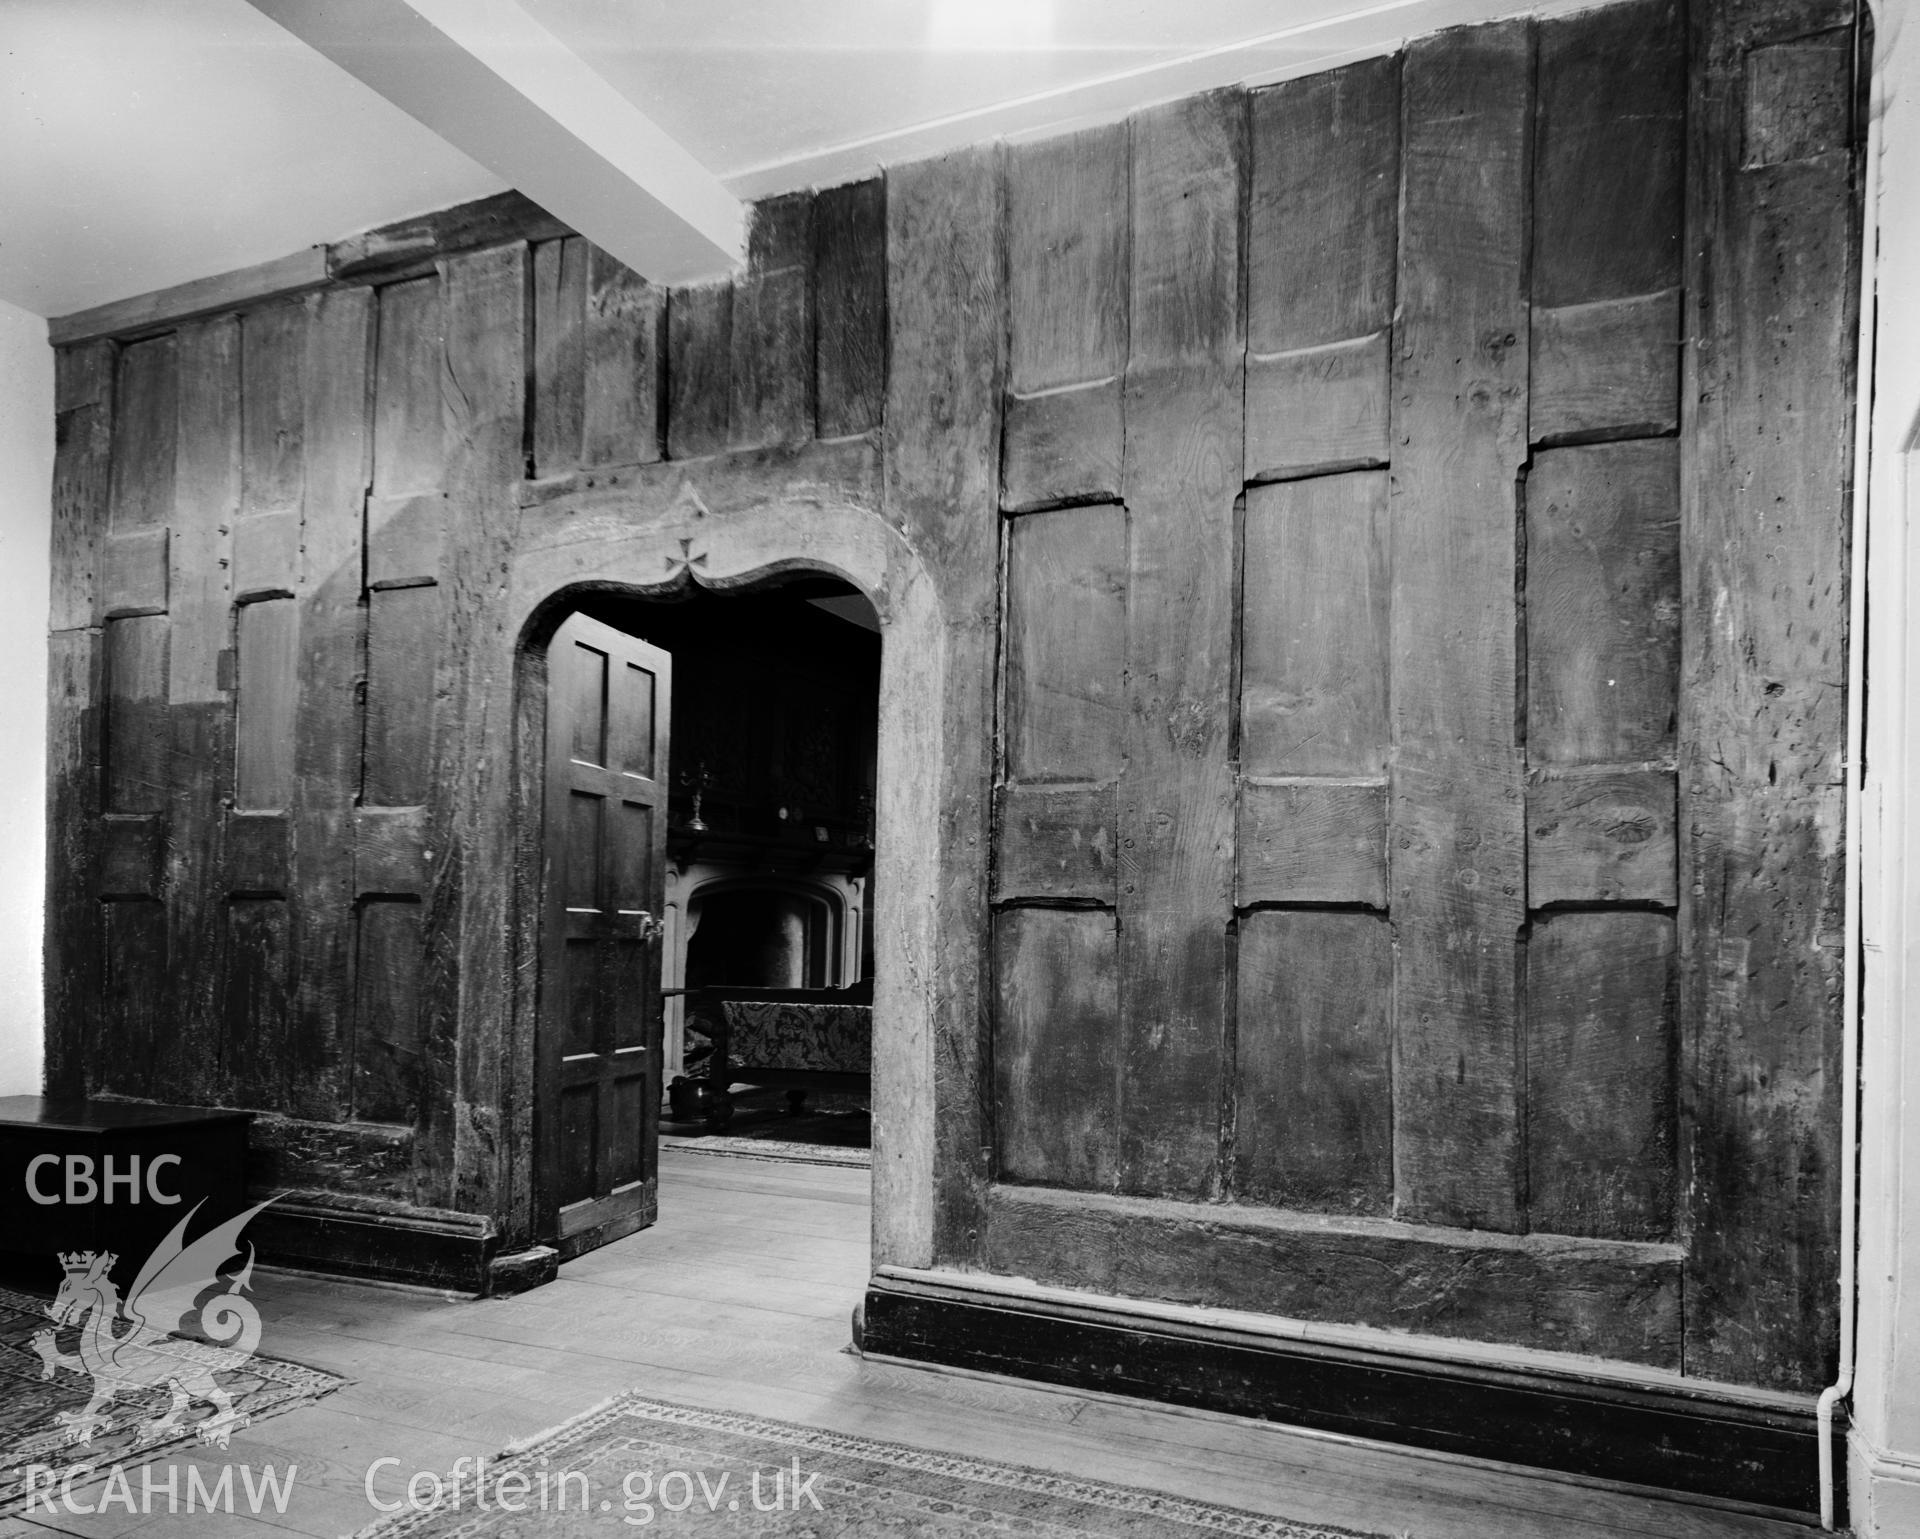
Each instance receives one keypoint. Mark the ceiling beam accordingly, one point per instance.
(498, 86)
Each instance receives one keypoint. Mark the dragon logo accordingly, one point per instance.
(164, 1300)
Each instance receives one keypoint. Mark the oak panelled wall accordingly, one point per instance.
(1394, 719)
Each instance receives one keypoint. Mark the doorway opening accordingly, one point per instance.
(746, 984)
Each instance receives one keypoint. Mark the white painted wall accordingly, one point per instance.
(26, 524)
(1885, 1441)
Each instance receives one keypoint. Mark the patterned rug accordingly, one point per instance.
(29, 1435)
(635, 1462)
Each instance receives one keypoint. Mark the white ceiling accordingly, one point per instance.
(144, 143)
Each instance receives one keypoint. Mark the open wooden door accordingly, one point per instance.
(604, 890)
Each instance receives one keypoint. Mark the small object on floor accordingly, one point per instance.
(751, 1474)
(695, 1100)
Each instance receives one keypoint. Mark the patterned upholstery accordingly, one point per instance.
(790, 1035)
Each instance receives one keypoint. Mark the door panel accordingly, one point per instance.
(603, 892)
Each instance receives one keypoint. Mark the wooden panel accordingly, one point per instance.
(1603, 603)
(1056, 1047)
(1609, 159)
(403, 641)
(1605, 1298)
(1320, 410)
(699, 356)
(946, 312)
(207, 486)
(1764, 538)
(1061, 446)
(1455, 815)
(1798, 104)
(327, 727)
(771, 390)
(1320, 284)
(135, 746)
(1313, 1098)
(1313, 841)
(1055, 842)
(386, 1018)
(559, 353)
(146, 428)
(850, 297)
(1067, 316)
(134, 573)
(390, 850)
(1183, 454)
(273, 418)
(1314, 629)
(409, 454)
(259, 848)
(266, 554)
(406, 539)
(1065, 644)
(269, 657)
(626, 364)
(1600, 1080)
(254, 1020)
(1604, 837)
(1608, 174)
(82, 480)
(134, 994)
(129, 857)
(1610, 369)
(84, 384)
(1321, 208)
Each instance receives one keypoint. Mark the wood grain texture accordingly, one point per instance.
(267, 646)
(134, 992)
(1056, 1048)
(406, 539)
(946, 308)
(272, 351)
(559, 353)
(1321, 222)
(1314, 632)
(146, 428)
(403, 643)
(1604, 836)
(466, 981)
(626, 364)
(1608, 1298)
(206, 487)
(1764, 537)
(82, 479)
(129, 857)
(256, 1002)
(1065, 644)
(771, 398)
(387, 1069)
(1319, 410)
(266, 555)
(1318, 840)
(850, 299)
(1053, 841)
(1601, 1109)
(1609, 153)
(133, 573)
(1455, 817)
(409, 448)
(1610, 369)
(1061, 447)
(699, 358)
(84, 383)
(1603, 603)
(1182, 474)
(259, 850)
(390, 851)
(336, 400)
(1313, 1099)
(134, 746)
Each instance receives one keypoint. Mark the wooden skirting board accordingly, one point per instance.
(394, 1242)
(1744, 1450)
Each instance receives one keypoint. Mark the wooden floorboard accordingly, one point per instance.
(740, 1299)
